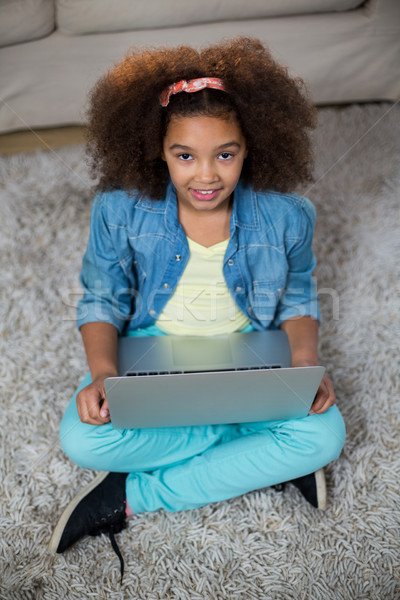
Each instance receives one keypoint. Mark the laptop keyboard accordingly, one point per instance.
(147, 373)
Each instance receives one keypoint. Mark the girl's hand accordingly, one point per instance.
(92, 403)
(303, 340)
(325, 397)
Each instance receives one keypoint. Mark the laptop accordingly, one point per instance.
(170, 381)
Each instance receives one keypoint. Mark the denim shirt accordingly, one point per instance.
(137, 252)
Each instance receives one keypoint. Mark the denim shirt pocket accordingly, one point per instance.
(265, 297)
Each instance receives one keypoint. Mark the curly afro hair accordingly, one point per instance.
(127, 124)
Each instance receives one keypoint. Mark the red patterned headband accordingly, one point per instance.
(193, 85)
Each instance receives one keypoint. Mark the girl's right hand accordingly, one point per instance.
(92, 403)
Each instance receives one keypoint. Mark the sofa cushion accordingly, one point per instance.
(22, 21)
(95, 16)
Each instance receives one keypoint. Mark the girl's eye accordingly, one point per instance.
(225, 155)
(185, 156)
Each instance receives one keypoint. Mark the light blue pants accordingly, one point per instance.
(179, 468)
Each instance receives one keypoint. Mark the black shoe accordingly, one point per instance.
(313, 488)
(98, 508)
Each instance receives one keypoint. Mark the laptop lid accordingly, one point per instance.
(236, 388)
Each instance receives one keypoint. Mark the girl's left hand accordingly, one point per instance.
(325, 397)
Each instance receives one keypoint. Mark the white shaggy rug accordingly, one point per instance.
(265, 544)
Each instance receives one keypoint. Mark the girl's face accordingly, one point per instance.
(205, 157)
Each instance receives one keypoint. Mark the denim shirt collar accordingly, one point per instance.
(245, 213)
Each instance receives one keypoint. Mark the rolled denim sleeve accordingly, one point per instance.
(300, 295)
(106, 287)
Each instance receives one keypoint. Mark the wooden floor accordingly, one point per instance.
(45, 139)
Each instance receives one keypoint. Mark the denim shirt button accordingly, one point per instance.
(152, 312)
(178, 257)
(238, 288)
(166, 285)
(249, 308)
(231, 262)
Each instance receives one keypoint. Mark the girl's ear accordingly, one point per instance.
(162, 155)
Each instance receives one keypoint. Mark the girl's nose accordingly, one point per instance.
(206, 172)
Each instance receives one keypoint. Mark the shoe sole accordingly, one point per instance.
(320, 482)
(58, 531)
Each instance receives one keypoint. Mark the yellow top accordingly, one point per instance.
(202, 303)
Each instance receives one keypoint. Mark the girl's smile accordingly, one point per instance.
(205, 157)
(205, 194)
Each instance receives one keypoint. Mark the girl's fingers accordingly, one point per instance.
(104, 412)
(325, 397)
(92, 408)
(93, 405)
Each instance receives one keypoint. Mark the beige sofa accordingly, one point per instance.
(53, 51)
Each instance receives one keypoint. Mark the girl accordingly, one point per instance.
(195, 230)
